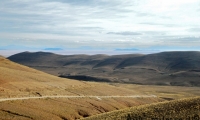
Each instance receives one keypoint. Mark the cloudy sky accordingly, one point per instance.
(100, 24)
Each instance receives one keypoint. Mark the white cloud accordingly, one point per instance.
(138, 22)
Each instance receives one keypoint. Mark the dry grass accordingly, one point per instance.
(185, 109)
(67, 109)
(20, 81)
(166, 92)
(17, 81)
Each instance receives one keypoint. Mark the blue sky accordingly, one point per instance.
(100, 24)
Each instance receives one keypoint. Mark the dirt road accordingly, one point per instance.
(97, 97)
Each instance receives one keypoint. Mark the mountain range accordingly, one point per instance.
(165, 68)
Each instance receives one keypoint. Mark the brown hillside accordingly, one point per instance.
(185, 109)
(17, 81)
(17, 78)
(166, 68)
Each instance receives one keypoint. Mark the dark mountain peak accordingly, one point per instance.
(32, 57)
(33, 53)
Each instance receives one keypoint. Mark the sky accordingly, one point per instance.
(100, 24)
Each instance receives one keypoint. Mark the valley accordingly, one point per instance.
(26, 93)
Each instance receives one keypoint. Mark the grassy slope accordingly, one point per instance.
(17, 81)
(166, 92)
(67, 109)
(178, 109)
(20, 81)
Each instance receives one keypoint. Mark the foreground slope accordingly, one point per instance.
(26, 93)
(185, 109)
(15, 78)
(166, 68)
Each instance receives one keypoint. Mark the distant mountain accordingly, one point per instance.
(53, 49)
(126, 49)
(166, 68)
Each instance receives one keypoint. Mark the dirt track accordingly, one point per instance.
(97, 97)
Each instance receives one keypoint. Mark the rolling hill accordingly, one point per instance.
(184, 109)
(166, 68)
(26, 93)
